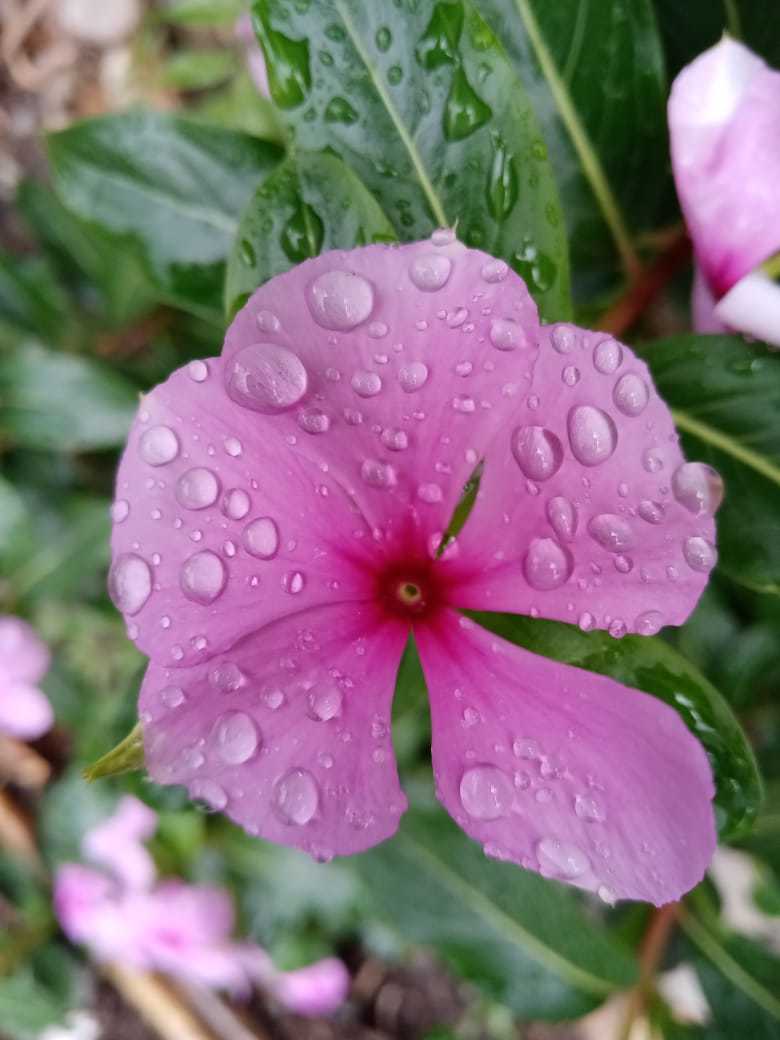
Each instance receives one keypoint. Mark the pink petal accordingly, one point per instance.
(703, 305)
(92, 910)
(288, 733)
(563, 771)
(724, 122)
(318, 989)
(752, 306)
(586, 512)
(24, 711)
(116, 843)
(219, 527)
(23, 654)
(396, 367)
(255, 59)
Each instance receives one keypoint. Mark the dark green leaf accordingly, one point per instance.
(60, 402)
(522, 938)
(595, 76)
(12, 516)
(725, 397)
(423, 103)
(27, 1006)
(651, 665)
(690, 28)
(173, 186)
(312, 202)
(30, 299)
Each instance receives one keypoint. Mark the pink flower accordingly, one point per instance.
(278, 525)
(724, 122)
(170, 926)
(24, 710)
(255, 60)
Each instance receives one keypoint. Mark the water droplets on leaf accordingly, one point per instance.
(303, 234)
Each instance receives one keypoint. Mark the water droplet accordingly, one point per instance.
(592, 434)
(130, 583)
(267, 321)
(172, 696)
(313, 421)
(564, 338)
(235, 738)
(378, 474)
(296, 797)
(651, 512)
(198, 488)
(303, 234)
(158, 445)
(325, 703)
(526, 748)
(430, 271)
(700, 555)
(486, 792)
(612, 532)
(226, 677)
(502, 182)
(537, 451)
(570, 375)
(383, 38)
(465, 111)
(120, 510)
(506, 334)
(464, 404)
(236, 504)
(413, 376)
(562, 517)
(233, 447)
(495, 271)
(274, 699)
(198, 371)
(430, 493)
(607, 356)
(698, 487)
(652, 460)
(366, 384)
(339, 110)
(209, 793)
(339, 300)
(631, 394)
(547, 565)
(586, 621)
(294, 582)
(561, 858)
(265, 378)
(260, 538)
(394, 440)
(589, 809)
(606, 895)
(202, 577)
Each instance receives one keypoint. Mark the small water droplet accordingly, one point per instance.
(260, 538)
(172, 696)
(266, 378)
(507, 334)
(235, 738)
(607, 356)
(120, 510)
(564, 338)
(236, 504)
(700, 555)
(198, 371)
(366, 384)
(413, 376)
(486, 792)
(649, 623)
(198, 488)
(430, 272)
(612, 532)
(296, 797)
(631, 394)
(130, 583)
(592, 434)
(267, 321)
(562, 516)
(209, 793)
(313, 421)
(226, 677)
(233, 447)
(651, 512)
(537, 451)
(340, 301)
(158, 445)
(394, 440)
(202, 577)
(378, 474)
(464, 404)
(325, 703)
(294, 582)
(495, 271)
(697, 487)
(547, 565)
(430, 493)
(561, 858)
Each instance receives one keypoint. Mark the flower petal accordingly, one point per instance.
(317, 989)
(586, 511)
(218, 527)
(703, 305)
(752, 306)
(24, 711)
(565, 772)
(724, 122)
(392, 365)
(117, 843)
(289, 733)
(23, 654)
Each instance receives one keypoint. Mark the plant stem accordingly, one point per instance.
(651, 952)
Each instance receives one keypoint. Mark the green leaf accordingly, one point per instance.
(725, 397)
(27, 1006)
(201, 12)
(12, 516)
(520, 937)
(173, 186)
(422, 102)
(310, 203)
(60, 402)
(199, 69)
(31, 301)
(652, 665)
(691, 28)
(595, 76)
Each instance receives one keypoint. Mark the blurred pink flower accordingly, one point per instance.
(170, 926)
(255, 60)
(24, 659)
(278, 525)
(724, 122)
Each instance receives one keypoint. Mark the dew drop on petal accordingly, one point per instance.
(589, 809)
(296, 797)
(486, 792)
(506, 334)
(561, 858)
(443, 236)
(202, 577)
(266, 378)
(564, 339)
(612, 532)
(607, 356)
(495, 271)
(130, 583)
(236, 504)
(430, 493)
(464, 404)
(235, 738)
(537, 452)
(592, 434)
(233, 447)
(325, 702)
(366, 384)
(697, 487)
(260, 538)
(562, 516)
(546, 565)
(267, 321)
(209, 794)
(120, 510)
(158, 445)
(378, 474)
(631, 394)
(430, 271)
(172, 696)
(648, 623)
(198, 488)
(700, 555)
(394, 440)
(339, 300)
(198, 371)
(226, 677)
(413, 376)
(651, 512)
(294, 582)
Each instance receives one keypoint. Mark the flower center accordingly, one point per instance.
(409, 589)
(410, 593)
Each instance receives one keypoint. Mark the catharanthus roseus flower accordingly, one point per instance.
(724, 123)
(24, 710)
(255, 60)
(278, 524)
(183, 930)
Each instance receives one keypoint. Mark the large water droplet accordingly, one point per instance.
(366, 384)
(202, 577)
(563, 517)
(235, 738)
(413, 376)
(537, 452)
(430, 271)
(506, 334)
(296, 797)
(592, 434)
(650, 622)
(631, 394)
(607, 356)
(465, 111)
(158, 445)
(698, 487)
(266, 378)
(236, 504)
(651, 512)
(547, 565)
(564, 338)
(394, 440)
(130, 583)
(561, 858)
(226, 677)
(325, 702)
(699, 554)
(486, 792)
(260, 538)
(378, 474)
(120, 510)
(198, 488)
(612, 532)
(339, 300)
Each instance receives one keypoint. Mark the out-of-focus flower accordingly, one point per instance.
(170, 926)
(255, 60)
(724, 123)
(279, 532)
(25, 711)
